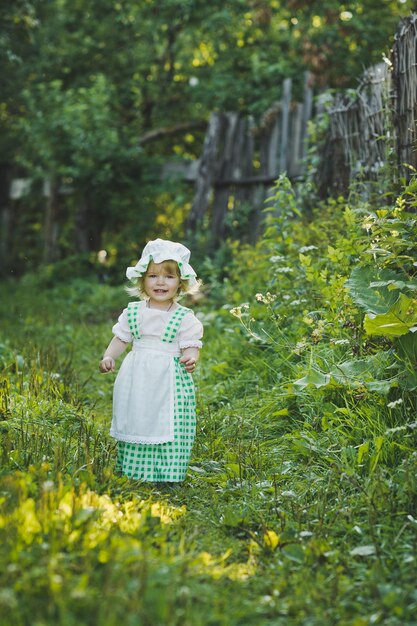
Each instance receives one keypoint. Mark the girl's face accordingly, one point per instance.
(161, 283)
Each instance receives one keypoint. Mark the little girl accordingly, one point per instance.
(154, 399)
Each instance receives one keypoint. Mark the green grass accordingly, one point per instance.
(300, 506)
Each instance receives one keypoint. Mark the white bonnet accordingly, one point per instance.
(162, 250)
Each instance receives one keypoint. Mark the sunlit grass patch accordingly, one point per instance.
(63, 545)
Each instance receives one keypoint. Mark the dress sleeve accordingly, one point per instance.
(121, 328)
(191, 332)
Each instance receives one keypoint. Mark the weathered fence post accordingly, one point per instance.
(207, 171)
(285, 124)
(306, 117)
(228, 169)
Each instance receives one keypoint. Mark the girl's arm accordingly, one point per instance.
(115, 348)
(189, 337)
(189, 358)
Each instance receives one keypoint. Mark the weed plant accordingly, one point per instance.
(300, 506)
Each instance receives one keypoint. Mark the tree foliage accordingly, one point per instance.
(84, 80)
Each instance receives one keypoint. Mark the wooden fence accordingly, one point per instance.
(379, 118)
(240, 161)
(358, 132)
(404, 58)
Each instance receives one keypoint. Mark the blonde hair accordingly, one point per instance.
(138, 290)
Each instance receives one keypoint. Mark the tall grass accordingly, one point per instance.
(300, 503)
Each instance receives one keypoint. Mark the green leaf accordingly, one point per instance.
(362, 450)
(397, 321)
(294, 552)
(362, 369)
(368, 287)
(370, 372)
(313, 378)
(382, 386)
(406, 347)
(368, 550)
(409, 382)
(395, 284)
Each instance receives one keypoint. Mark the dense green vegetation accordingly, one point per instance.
(98, 94)
(300, 504)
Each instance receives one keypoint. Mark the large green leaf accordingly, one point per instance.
(382, 386)
(370, 372)
(363, 370)
(406, 347)
(400, 319)
(372, 288)
(314, 378)
(408, 380)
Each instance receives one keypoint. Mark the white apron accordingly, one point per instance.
(143, 395)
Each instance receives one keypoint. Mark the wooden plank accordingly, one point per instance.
(307, 115)
(242, 192)
(228, 168)
(250, 180)
(272, 154)
(296, 120)
(286, 103)
(206, 172)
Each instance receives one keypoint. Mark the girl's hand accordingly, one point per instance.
(107, 364)
(115, 348)
(189, 359)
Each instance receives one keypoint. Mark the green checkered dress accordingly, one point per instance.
(167, 461)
